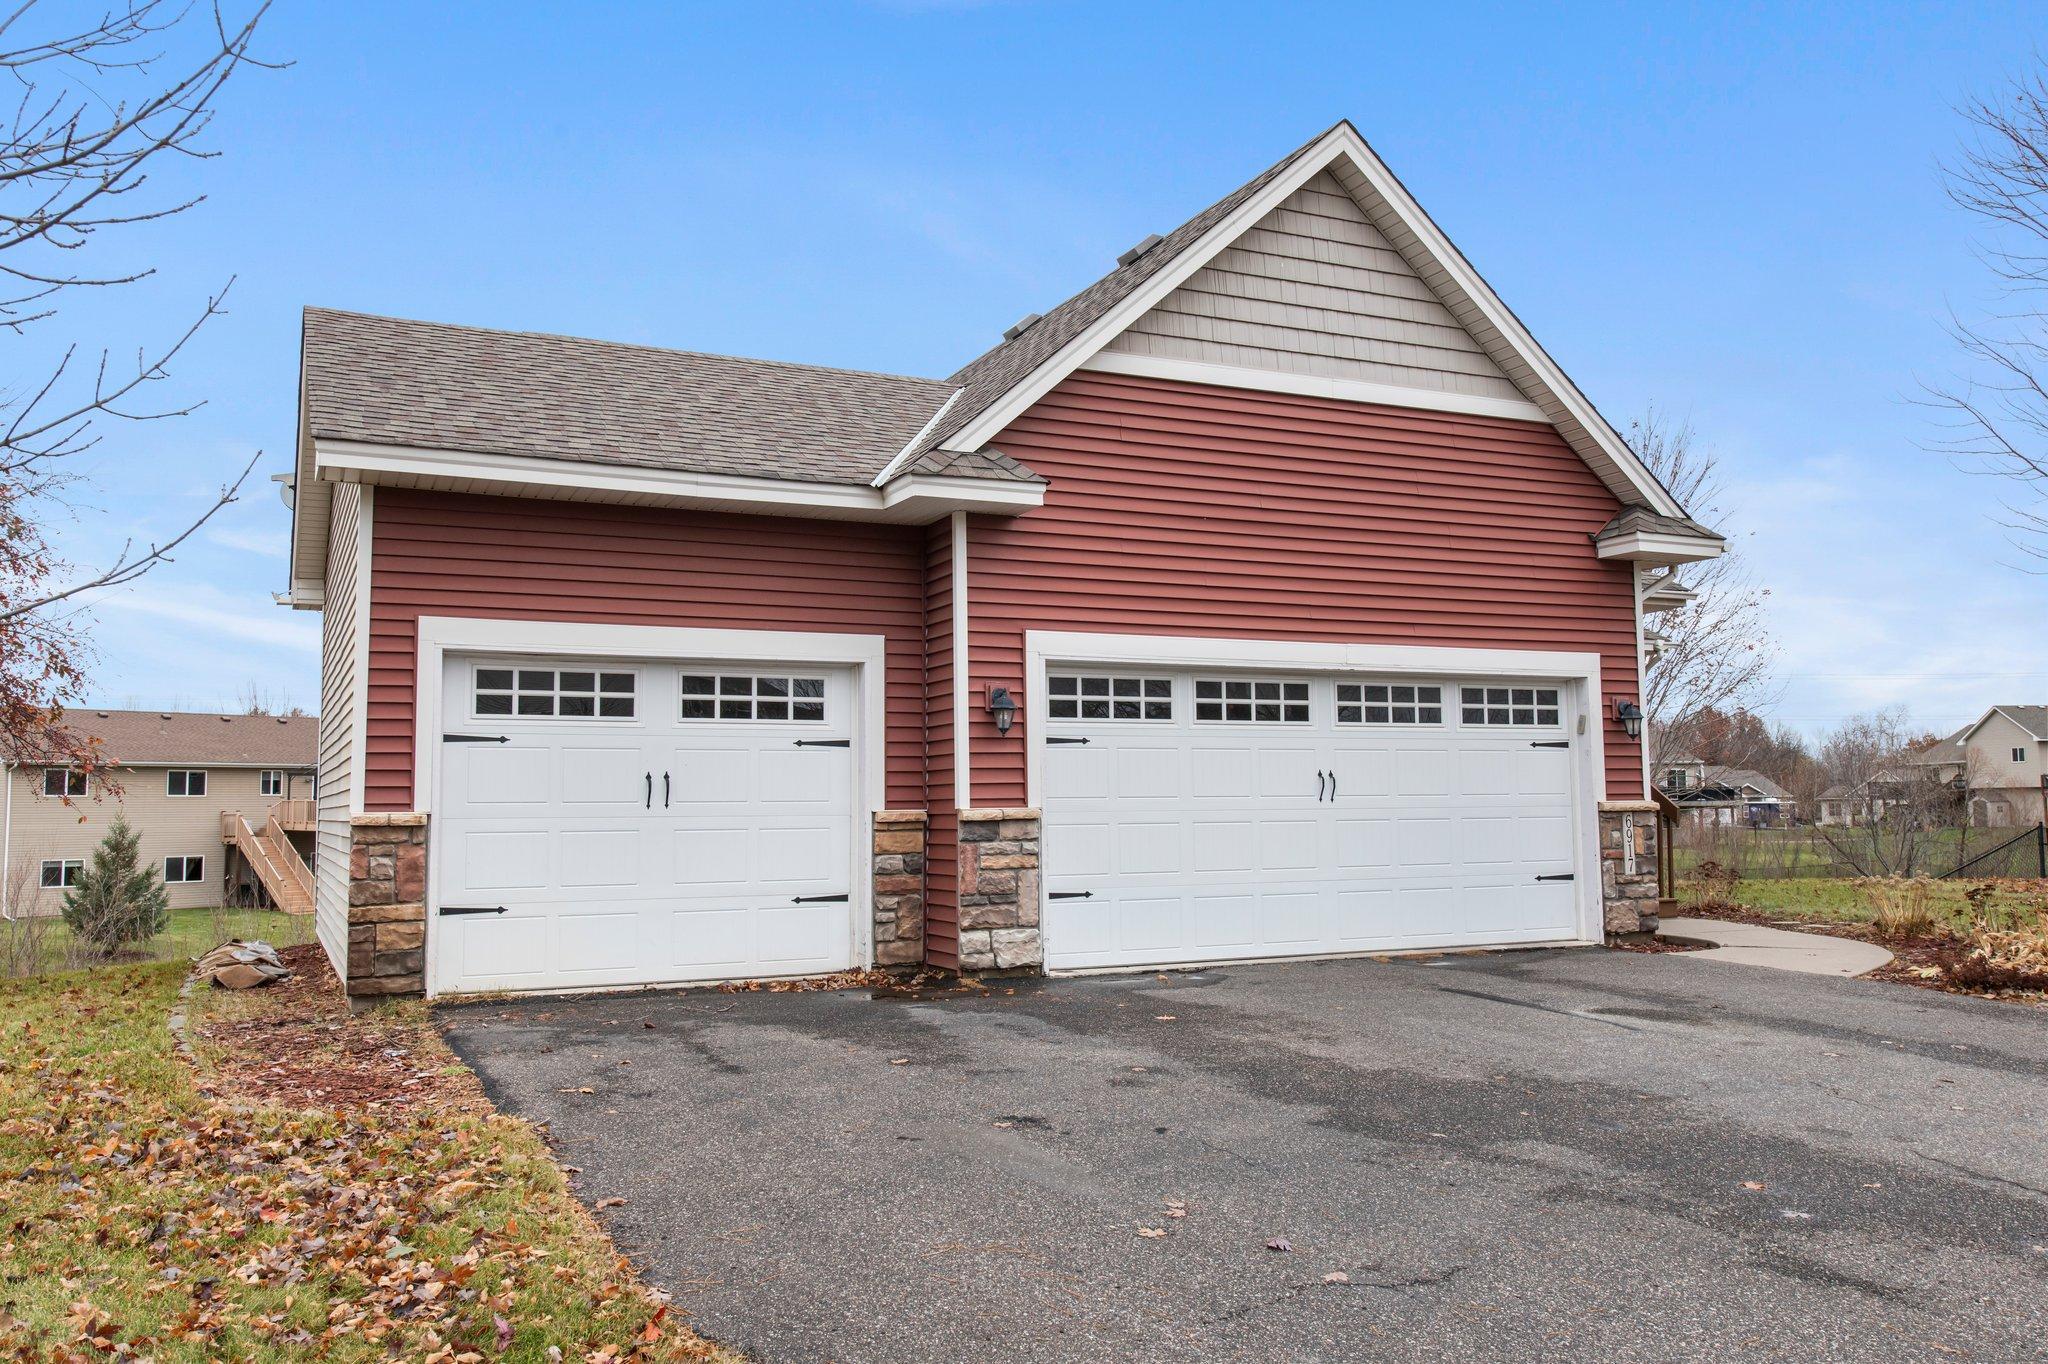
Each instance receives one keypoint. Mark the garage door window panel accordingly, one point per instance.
(1389, 703)
(777, 699)
(1511, 707)
(1251, 700)
(555, 693)
(1092, 697)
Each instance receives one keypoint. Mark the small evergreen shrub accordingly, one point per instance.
(117, 900)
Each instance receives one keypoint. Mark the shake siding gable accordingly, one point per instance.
(1187, 509)
(1315, 289)
(444, 554)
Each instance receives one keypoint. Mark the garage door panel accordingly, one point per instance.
(1334, 837)
(611, 876)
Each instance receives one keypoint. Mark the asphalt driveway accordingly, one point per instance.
(1539, 1155)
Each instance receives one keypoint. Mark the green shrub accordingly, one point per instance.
(116, 899)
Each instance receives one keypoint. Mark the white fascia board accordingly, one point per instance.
(889, 469)
(1312, 385)
(1656, 547)
(367, 463)
(1201, 651)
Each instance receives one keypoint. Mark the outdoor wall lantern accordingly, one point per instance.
(1003, 707)
(1631, 716)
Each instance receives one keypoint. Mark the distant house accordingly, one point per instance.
(1992, 768)
(223, 803)
(1712, 794)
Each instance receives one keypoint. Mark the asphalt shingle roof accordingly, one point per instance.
(387, 381)
(148, 738)
(1639, 518)
(2033, 719)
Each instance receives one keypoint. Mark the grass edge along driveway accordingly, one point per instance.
(140, 1214)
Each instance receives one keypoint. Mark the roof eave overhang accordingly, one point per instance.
(1659, 547)
(905, 499)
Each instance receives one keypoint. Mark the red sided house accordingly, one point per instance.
(1276, 595)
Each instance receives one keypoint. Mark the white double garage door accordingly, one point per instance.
(612, 821)
(1208, 815)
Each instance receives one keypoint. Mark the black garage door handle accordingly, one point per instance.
(452, 910)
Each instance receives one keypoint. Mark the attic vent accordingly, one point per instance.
(1140, 249)
(102, 714)
(1022, 325)
(164, 715)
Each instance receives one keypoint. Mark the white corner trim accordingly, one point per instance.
(963, 775)
(359, 721)
(1342, 142)
(1311, 385)
(1659, 547)
(893, 465)
(1580, 671)
(358, 461)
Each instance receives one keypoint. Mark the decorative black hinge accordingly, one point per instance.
(1552, 743)
(818, 900)
(824, 743)
(1560, 876)
(1056, 739)
(453, 910)
(476, 738)
(1071, 895)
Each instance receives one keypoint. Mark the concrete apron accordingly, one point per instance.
(1781, 949)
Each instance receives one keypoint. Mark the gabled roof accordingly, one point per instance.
(1001, 383)
(1744, 776)
(1637, 518)
(2032, 719)
(149, 738)
(431, 386)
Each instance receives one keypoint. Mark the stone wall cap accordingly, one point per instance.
(1000, 812)
(389, 819)
(900, 817)
(1628, 807)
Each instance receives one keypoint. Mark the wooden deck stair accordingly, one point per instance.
(269, 852)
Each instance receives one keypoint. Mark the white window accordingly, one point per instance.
(181, 783)
(564, 693)
(721, 696)
(59, 874)
(183, 870)
(272, 783)
(1256, 700)
(1389, 703)
(1676, 778)
(59, 781)
(1509, 705)
(1109, 698)
(2019, 755)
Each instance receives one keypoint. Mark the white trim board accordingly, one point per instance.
(1311, 386)
(1579, 671)
(1597, 442)
(867, 655)
(911, 499)
(963, 708)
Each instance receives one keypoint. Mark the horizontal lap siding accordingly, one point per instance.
(445, 554)
(942, 832)
(1192, 510)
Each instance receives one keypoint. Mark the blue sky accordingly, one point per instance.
(1731, 212)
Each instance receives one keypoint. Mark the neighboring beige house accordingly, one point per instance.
(1995, 766)
(224, 804)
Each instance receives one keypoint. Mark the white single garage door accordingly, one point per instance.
(1207, 816)
(604, 823)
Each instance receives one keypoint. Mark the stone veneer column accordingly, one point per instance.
(387, 911)
(1628, 898)
(999, 890)
(899, 887)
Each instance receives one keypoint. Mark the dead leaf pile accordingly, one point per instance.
(145, 1221)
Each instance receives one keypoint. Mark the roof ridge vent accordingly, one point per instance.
(1140, 249)
(1022, 325)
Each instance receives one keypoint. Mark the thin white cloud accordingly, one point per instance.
(215, 615)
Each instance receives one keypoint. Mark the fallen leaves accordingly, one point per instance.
(604, 1203)
(1336, 1276)
(1754, 1185)
(1152, 1233)
(1281, 1244)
